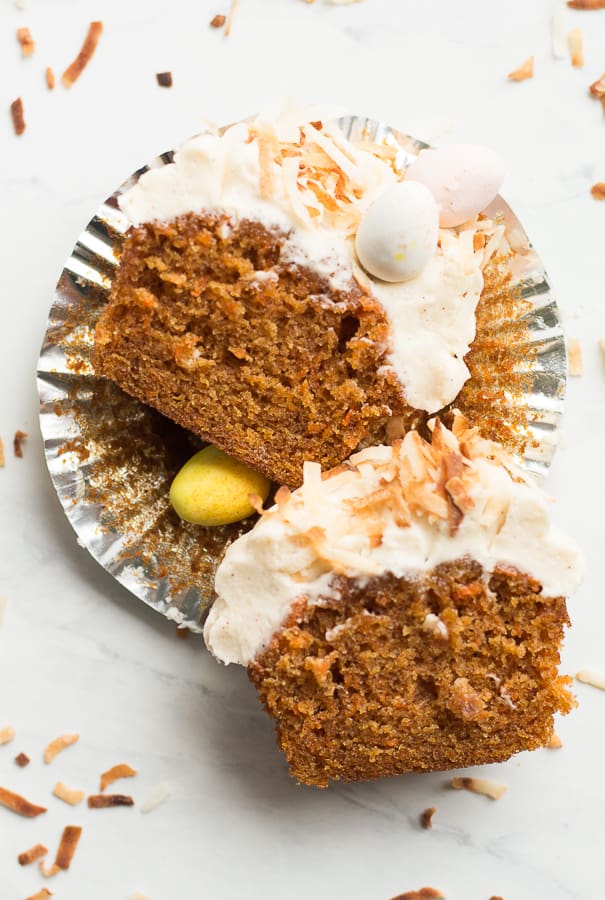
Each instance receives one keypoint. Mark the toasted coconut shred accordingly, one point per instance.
(598, 190)
(525, 71)
(558, 31)
(576, 47)
(41, 894)
(574, 355)
(104, 801)
(27, 42)
(38, 851)
(19, 804)
(159, 795)
(2, 455)
(59, 744)
(50, 78)
(7, 734)
(231, 17)
(426, 817)
(555, 742)
(75, 69)
(67, 794)
(18, 441)
(586, 4)
(594, 679)
(18, 116)
(425, 893)
(116, 772)
(492, 789)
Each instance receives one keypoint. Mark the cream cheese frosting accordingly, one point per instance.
(315, 185)
(401, 510)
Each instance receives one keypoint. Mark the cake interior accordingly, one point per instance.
(455, 668)
(207, 324)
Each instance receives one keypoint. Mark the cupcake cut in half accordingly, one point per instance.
(240, 311)
(403, 612)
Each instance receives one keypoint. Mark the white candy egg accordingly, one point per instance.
(463, 178)
(398, 233)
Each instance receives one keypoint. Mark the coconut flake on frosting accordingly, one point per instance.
(315, 185)
(402, 510)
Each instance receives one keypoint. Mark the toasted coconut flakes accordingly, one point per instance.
(595, 679)
(597, 88)
(231, 17)
(7, 734)
(104, 801)
(75, 69)
(2, 456)
(32, 855)
(67, 847)
(576, 47)
(48, 871)
(425, 893)
(18, 441)
(426, 817)
(555, 742)
(558, 31)
(120, 771)
(50, 78)
(436, 627)
(598, 190)
(218, 21)
(68, 795)
(22, 760)
(586, 4)
(41, 894)
(602, 346)
(574, 355)
(525, 71)
(164, 79)
(59, 744)
(159, 794)
(18, 116)
(19, 804)
(484, 786)
(26, 40)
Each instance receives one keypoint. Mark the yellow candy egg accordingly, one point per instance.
(213, 489)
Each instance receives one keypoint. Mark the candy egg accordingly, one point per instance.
(213, 489)
(463, 178)
(398, 232)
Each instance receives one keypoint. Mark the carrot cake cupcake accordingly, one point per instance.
(286, 293)
(403, 612)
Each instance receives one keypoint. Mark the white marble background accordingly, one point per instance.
(78, 653)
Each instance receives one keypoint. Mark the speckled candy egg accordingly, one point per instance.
(398, 233)
(463, 178)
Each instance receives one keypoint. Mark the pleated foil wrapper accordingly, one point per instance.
(112, 459)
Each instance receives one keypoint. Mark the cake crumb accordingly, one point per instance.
(18, 116)
(19, 804)
(594, 679)
(105, 801)
(50, 78)
(576, 47)
(555, 742)
(59, 744)
(22, 760)
(426, 817)
(18, 441)
(32, 855)
(164, 79)
(574, 356)
(598, 190)
(425, 893)
(218, 21)
(67, 794)
(28, 45)
(525, 71)
(231, 17)
(7, 734)
(120, 771)
(75, 69)
(485, 786)
(586, 4)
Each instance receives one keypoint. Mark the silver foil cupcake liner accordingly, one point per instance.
(111, 459)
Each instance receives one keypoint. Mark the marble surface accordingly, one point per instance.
(78, 653)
